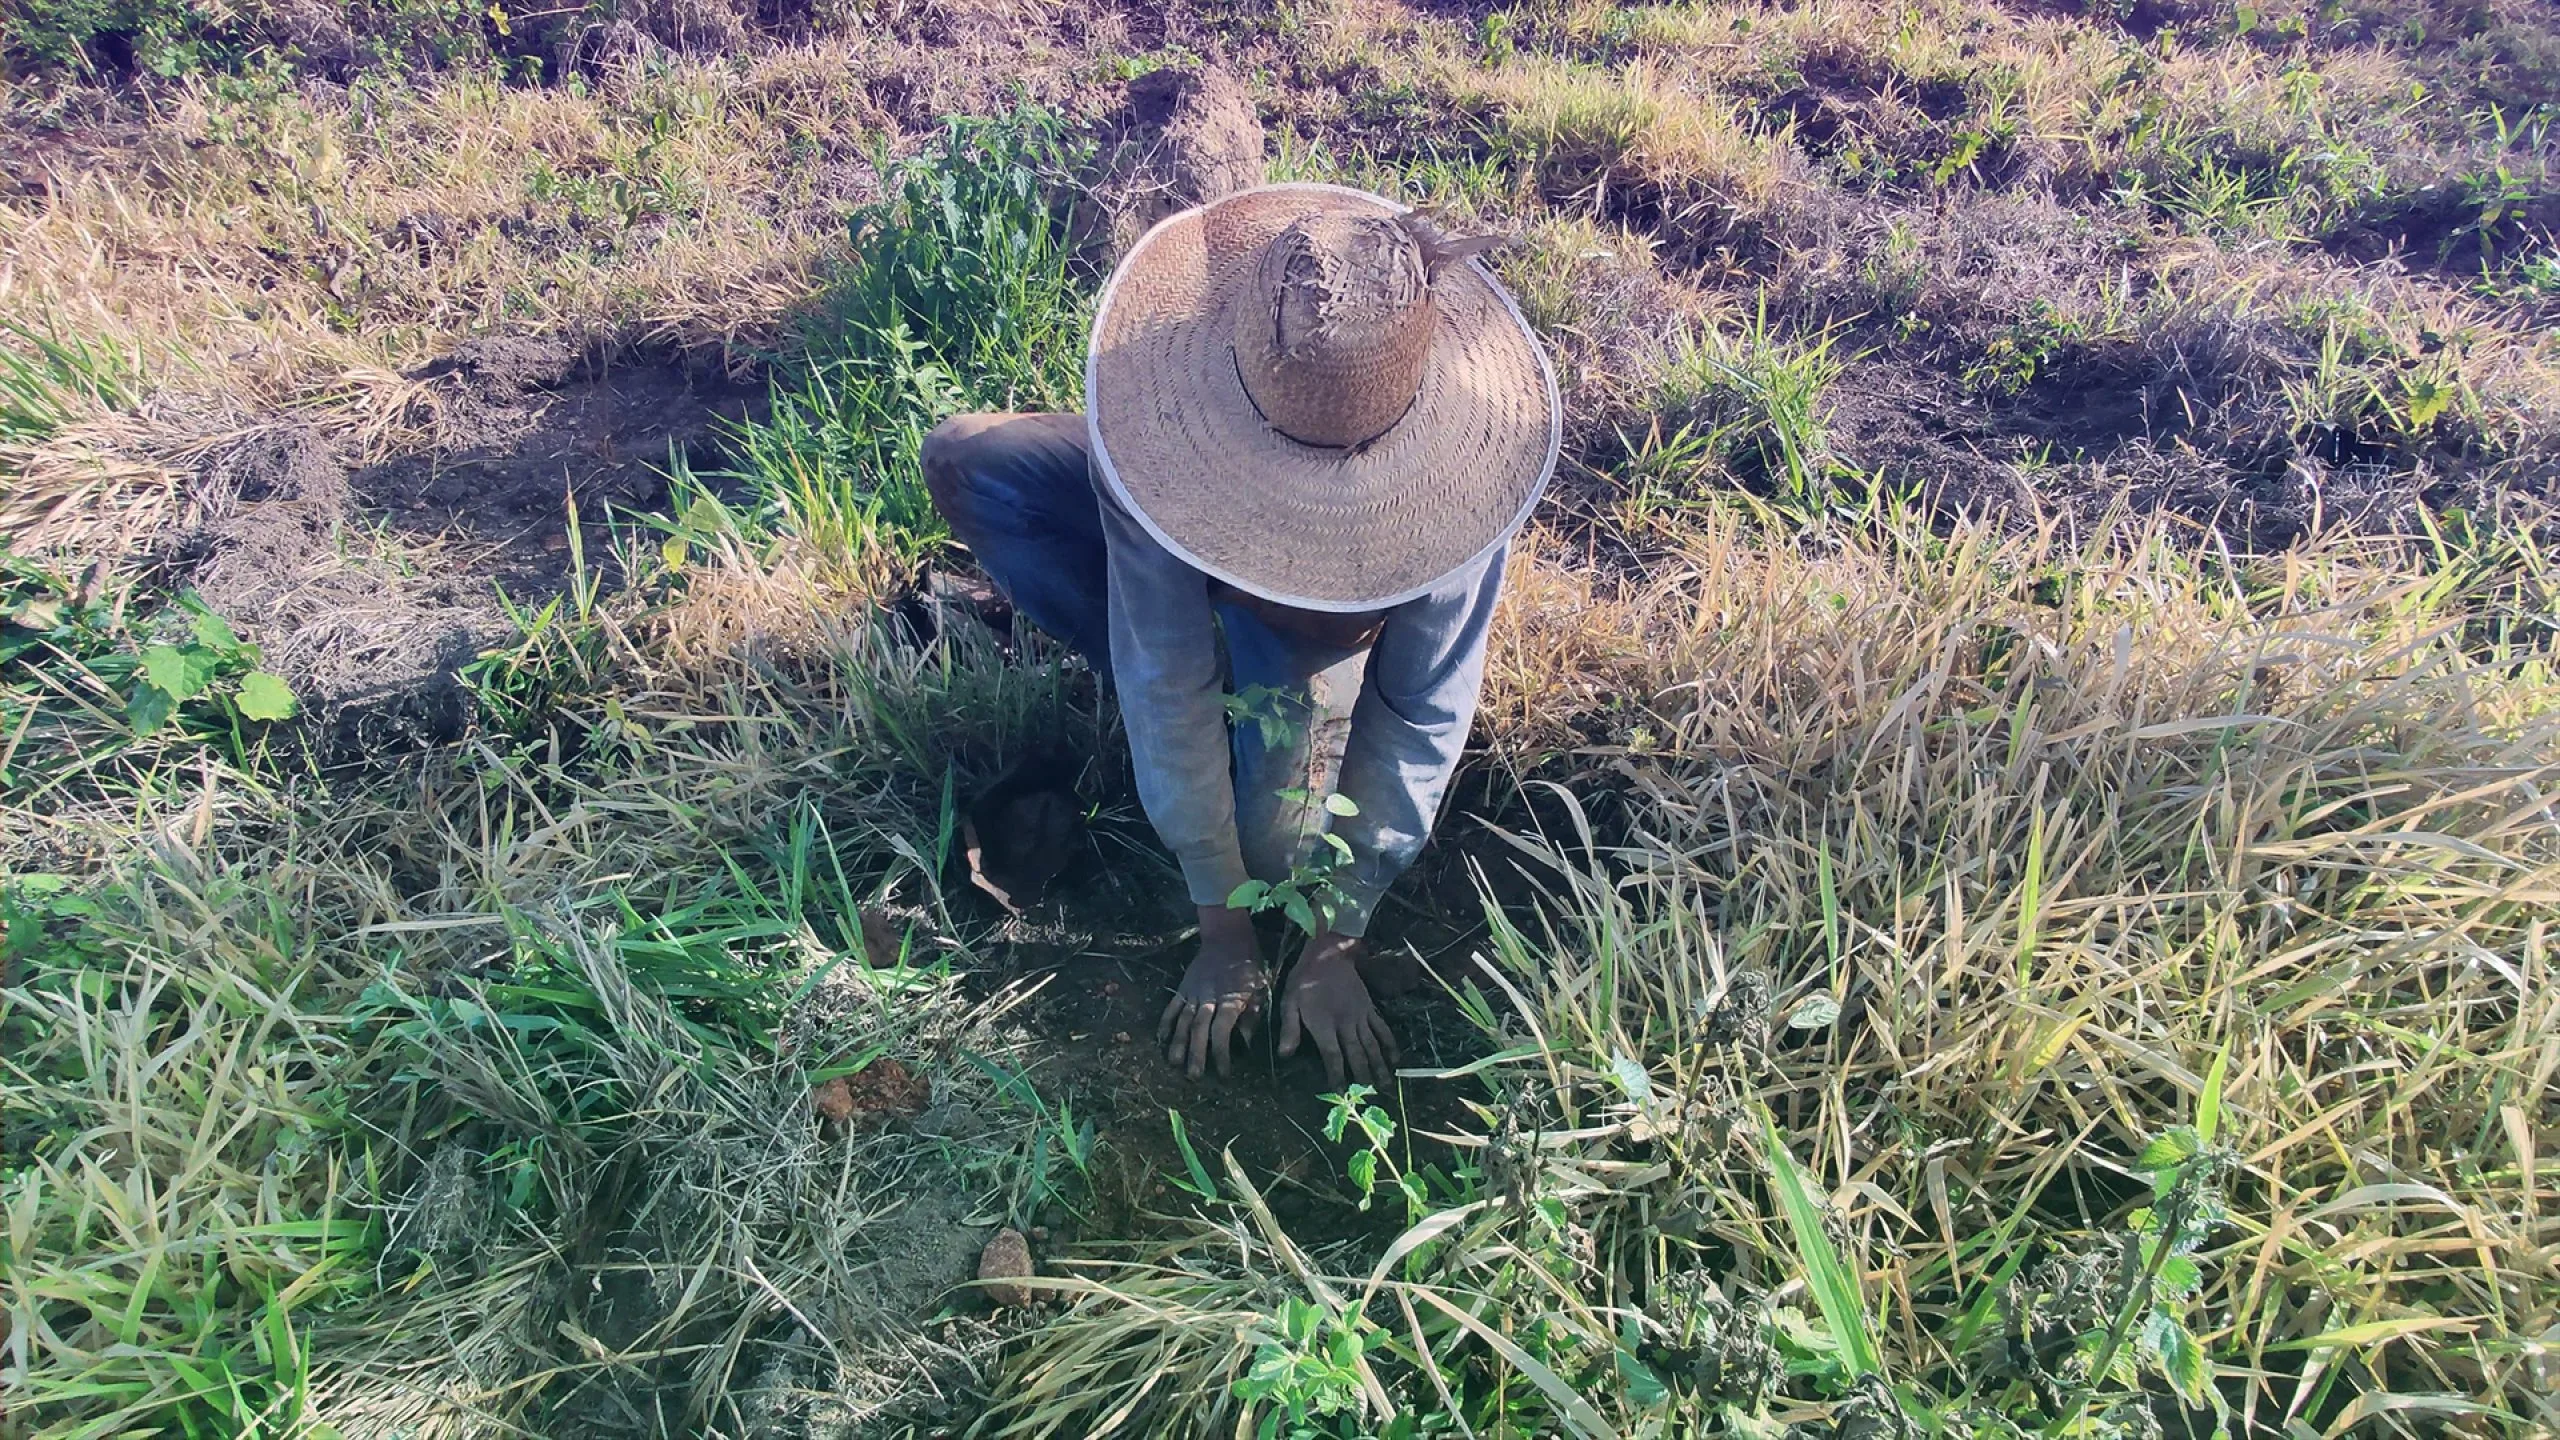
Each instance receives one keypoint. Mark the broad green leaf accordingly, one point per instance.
(2168, 1150)
(1631, 1078)
(1341, 805)
(2184, 1359)
(178, 674)
(149, 709)
(1296, 908)
(215, 633)
(1814, 1012)
(2180, 1277)
(1247, 895)
(265, 697)
(1643, 1386)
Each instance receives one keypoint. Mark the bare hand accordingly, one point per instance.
(1326, 999)
(1222, 992)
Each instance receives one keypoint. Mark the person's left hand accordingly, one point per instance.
(1326, 999)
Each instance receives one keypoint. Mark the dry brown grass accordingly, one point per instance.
(2062, 829)
(283, 252)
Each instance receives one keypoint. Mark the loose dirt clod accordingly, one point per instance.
(885, 1090)
(1002, 1266)
(882, 942)
(833, 1101)
(881, 1091)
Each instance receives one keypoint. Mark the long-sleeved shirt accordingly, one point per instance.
(1408, 727)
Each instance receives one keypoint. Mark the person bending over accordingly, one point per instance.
(1312, 425)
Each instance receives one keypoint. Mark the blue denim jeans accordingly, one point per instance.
(1018, 491)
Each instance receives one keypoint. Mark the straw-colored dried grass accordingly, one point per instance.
(2061, 831)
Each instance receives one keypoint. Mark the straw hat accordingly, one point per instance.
(1310, 394)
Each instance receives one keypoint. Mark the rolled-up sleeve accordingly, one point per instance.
(1164, 662)
(1408, 731)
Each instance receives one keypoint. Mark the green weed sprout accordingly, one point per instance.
(1308, 896)
(1307, 1369)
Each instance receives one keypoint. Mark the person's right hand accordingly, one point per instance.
(1223, 991)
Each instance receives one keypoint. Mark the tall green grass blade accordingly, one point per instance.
(1844, 1306)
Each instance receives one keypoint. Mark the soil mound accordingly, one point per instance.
(1183, 136)
(371, 646)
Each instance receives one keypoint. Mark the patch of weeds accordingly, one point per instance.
(2022, 350)
(962, 297)
(1308, 1364)
(164, 37)
(87, 692)
(2214, 182)
(2365, 393)
(616, 1081)
(1751, 402)
(1473, 171)
(2502, 196)
(2534, 280)
(560, 651)
(47, 381)
(177, 1222)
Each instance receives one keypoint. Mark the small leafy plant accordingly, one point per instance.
(1352, 1110)
(1307, 1370)
(1308, 896)
(211, 679)
(81, 686)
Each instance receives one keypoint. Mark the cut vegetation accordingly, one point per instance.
(2007, 887)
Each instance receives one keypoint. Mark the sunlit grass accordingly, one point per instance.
(1940, 978)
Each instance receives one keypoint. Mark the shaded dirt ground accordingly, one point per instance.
(372, 588)
(528, 428)
(1104, 950)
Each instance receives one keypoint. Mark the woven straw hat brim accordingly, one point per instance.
(1181, 447)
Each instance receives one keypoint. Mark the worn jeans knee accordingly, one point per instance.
(1017, 490)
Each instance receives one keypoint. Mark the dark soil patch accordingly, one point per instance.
(1844, 94)
(531, 433)
(1098, 1014)
(2443, 229)
(370, 590)
(2089, 402)
(1106, 952)
(1923, 436)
